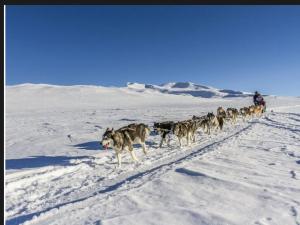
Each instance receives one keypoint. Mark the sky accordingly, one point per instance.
(243, 48)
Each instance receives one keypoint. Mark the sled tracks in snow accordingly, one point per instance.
(138, 177)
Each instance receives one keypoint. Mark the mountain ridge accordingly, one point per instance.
(175, 88)
(188, 88)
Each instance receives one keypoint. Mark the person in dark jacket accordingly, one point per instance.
(255, 96)
(259, 100)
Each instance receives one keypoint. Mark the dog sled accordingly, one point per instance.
(262, 103)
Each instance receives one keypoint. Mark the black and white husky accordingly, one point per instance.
(164, 129)
(124, 138)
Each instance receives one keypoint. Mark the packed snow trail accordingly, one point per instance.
(54, 195)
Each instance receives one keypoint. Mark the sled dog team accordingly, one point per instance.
(124, 138)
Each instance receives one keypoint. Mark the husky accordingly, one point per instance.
(232, 113)
(182, 130)
(258, 110)
(124, 138)
(138, 134)
(202, 122)
(199, 118)
(221, 112)
(192, 127)
(245, 112)
(164, 129)
(251, 109)
(216, 121)
(205, 125)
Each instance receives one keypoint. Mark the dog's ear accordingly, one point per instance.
(107, 129)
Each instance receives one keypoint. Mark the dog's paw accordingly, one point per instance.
(118, 167)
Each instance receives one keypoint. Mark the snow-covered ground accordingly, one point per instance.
(57, 172)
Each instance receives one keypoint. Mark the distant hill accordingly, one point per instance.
(187, 88)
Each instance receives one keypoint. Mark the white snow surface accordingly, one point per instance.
(57, 172)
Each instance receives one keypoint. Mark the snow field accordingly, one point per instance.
(57, 173)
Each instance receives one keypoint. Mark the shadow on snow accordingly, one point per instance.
(91, 145)
(95, 145)
(40, 161)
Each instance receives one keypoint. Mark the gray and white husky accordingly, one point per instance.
(216, 121)
(124, 138)
(245, 113)
(181, 130)
(232, 114)
(192, 128)
(221, 112)
(202, 122)
(185, 129)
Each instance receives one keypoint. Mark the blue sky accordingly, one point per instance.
(234, 47)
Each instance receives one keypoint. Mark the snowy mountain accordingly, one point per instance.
(187, 88)
(174, 88)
